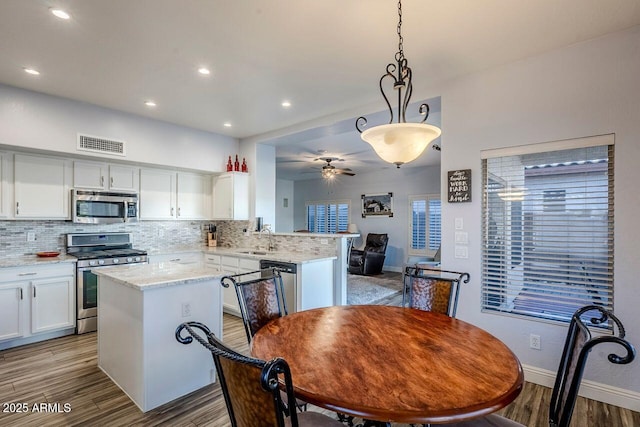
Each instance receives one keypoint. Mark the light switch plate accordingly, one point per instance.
(462, 237)
(461, 252)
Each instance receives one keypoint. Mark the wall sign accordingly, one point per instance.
(459, 186)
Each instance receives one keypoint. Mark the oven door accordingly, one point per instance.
(87, 307)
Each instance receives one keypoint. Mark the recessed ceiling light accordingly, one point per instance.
(32, 71)
(204, 71)
(150, 103)
(286, 104)
(60, 13)
(227, 125)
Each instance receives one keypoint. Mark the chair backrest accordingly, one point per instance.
(250, 386)
(431, 289)
(574, 357)
(376, 243)
(260, 299)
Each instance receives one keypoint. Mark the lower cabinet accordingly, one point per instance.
(230, 265)
(35, 300)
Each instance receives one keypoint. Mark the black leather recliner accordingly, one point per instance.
(370, 260)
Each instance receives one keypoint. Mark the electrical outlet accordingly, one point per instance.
(186, 309)
(324, 241)
(534, 341)
(31, 236)
(160, 232)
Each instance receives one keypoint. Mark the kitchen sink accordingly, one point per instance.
(253, 252)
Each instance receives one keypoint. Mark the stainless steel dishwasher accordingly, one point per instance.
(289, 273)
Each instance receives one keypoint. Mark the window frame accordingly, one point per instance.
(427, 251)
(510, 265)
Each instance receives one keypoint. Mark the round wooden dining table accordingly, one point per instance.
(392, 364)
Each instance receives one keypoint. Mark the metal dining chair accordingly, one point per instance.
(261, 299)
(251, 387)
(432, 289)
(578, 344)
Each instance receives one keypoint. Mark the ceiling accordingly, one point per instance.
(325, 57)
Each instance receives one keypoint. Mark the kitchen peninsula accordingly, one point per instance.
(140, 308)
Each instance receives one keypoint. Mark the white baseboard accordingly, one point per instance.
(590, 389)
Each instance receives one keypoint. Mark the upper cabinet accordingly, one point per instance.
(4, 185)
(168, 194)
(41, 187)
(193, 196)
(231, 196)
(157, 194)
(103, 176)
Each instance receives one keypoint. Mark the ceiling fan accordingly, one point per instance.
(329, 171)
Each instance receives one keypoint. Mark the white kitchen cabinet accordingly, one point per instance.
(231, 196)
(37, 302)
(157, 194)
(193, 198)
(103, 176)
(41, 187)
(168, 194)
(11, 307)
(4, 185)
(228, 267)
(52, 304)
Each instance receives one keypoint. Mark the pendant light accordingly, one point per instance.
(399, 142)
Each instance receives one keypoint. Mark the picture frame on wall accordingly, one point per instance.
(377, 205)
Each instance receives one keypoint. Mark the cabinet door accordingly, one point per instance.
(157, 194)
(229, 266)
(11, 302)
(52, 304)
(223, 197)
(89, 175)
(193, 200)
(124, 178)
(41, 188)
(4, 185)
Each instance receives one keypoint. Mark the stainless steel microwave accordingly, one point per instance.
(103, 207)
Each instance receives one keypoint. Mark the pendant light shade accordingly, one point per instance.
(399, 142)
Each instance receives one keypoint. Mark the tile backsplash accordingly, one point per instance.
(50, 235)
(154, 236)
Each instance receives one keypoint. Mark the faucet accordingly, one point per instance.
(267, 228)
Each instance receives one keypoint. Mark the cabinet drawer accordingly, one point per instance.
(249, 264)
(212, 259)
(12, 274)
(229, 261)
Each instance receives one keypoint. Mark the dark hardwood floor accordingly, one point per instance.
(64, 371)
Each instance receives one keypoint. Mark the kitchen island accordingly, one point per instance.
(140, 308)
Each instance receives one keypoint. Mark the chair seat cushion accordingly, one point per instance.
(492, 420)
(314, 419)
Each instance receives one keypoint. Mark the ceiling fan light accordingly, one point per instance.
(400, 143)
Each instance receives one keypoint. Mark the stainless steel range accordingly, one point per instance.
(97, 250)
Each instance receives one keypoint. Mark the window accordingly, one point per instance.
(327, 217)
(547, 246)
(424, 224)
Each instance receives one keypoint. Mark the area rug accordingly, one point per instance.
(369, 289)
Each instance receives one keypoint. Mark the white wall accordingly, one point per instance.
(284, 215)
(43, 122)
(586, 89)
(401, 182)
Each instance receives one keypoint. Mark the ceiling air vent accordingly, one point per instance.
(96, 144)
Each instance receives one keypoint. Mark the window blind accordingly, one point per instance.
(548, 230)
(327, 217)
(425, 223)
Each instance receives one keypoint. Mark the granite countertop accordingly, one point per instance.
(158, 275)
(282, 256)
(35, 260)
